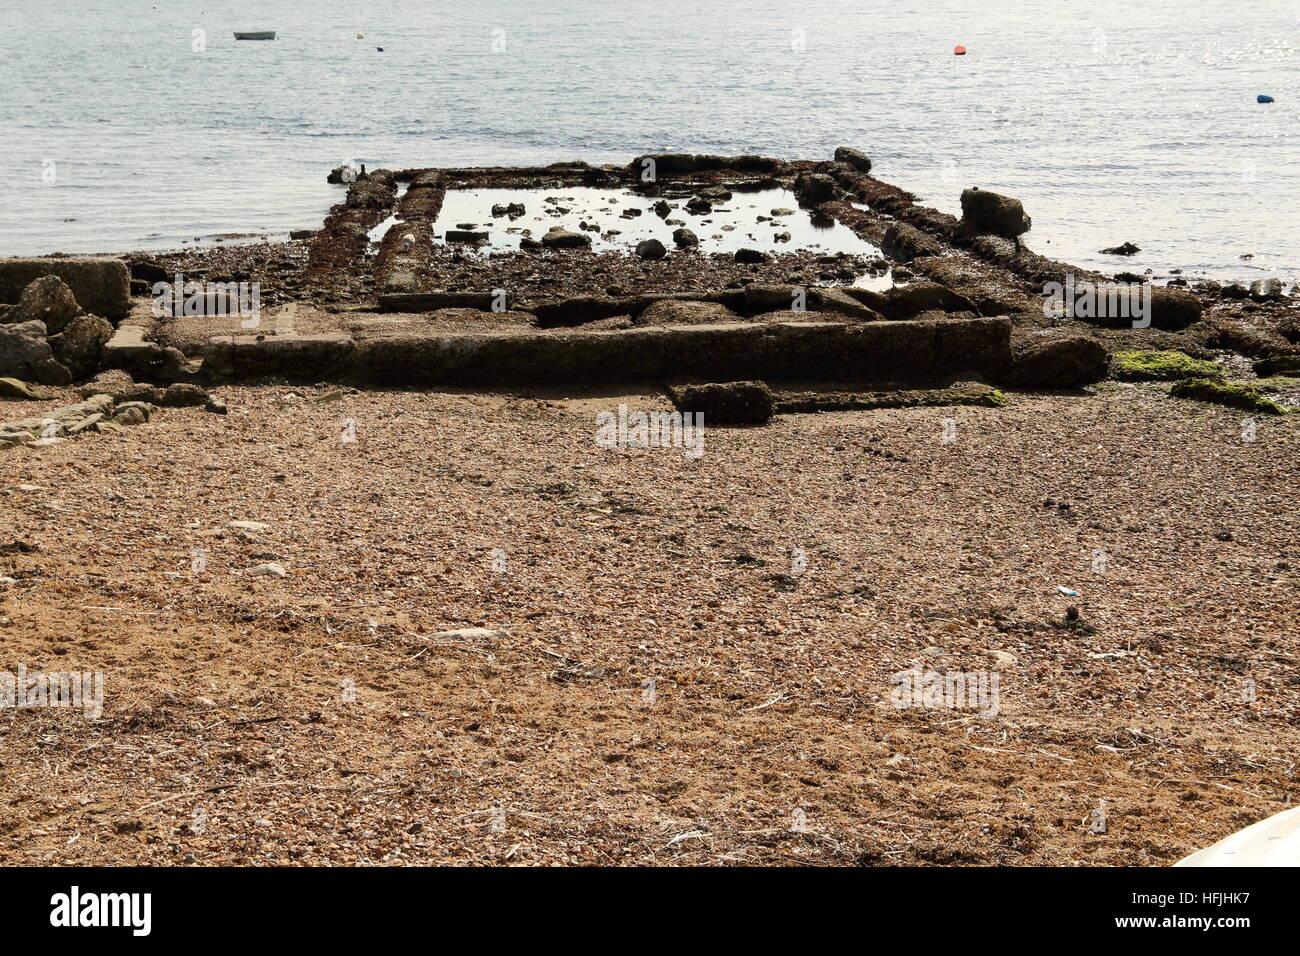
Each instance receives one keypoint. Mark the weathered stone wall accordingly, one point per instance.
(903, 351)
(101, 286)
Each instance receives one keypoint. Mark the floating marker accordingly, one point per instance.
(959, 50)
(1263, 99)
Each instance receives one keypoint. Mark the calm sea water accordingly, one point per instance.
(1112, 121)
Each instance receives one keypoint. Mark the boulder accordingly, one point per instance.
(13, 388)
(1262, 290)
(560, 238)
(46, 300)
(813, 189)
(699, 205)
(684, 238)
(751, 256)
(854, 157)
(984, 211)
(183, 394)
(80, 346)
(650, 249)
(132, 413)
(1174, 309)
(1126, 249)
(25, 354)
(101, 286)
(1056, 360)
(727, 403)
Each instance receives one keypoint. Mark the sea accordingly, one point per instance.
(129, 125)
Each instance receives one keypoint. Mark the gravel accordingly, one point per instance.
(500, 643)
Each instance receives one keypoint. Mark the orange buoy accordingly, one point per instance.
(959, 50)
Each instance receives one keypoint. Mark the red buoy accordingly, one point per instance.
(959, 50)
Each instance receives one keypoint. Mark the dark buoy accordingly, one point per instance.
(959, 50)
(1263, 99)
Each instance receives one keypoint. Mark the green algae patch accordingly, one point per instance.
(1231, 394)
(1163, 366)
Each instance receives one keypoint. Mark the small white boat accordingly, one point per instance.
(1273, 841)
(260, 35)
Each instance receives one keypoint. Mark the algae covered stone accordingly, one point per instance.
(1161, 366)
(1231, 394)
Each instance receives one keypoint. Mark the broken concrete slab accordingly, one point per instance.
(131, 350)
(101, 286)
(828, 351)
(725, 403)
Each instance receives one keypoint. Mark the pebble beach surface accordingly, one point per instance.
(496, 642)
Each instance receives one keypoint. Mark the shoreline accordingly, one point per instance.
(374, 586)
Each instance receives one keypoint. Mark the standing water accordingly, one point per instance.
(129, 124)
